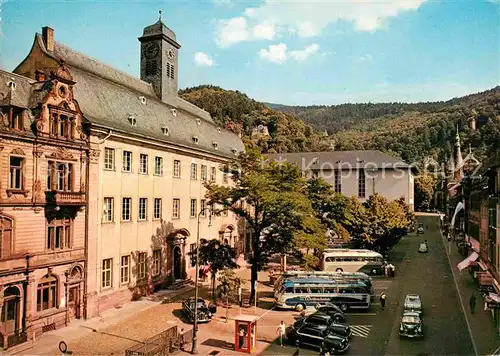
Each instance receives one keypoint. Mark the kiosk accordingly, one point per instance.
(245, 333)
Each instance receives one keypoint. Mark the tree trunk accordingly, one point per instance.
(213, 286)
(254, 276)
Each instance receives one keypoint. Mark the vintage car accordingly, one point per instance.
(318, 337)
(320, 319)
(420, 229)
(422, 248)
(413, 303)
(204, 313)
(411, 325)
(332, 310)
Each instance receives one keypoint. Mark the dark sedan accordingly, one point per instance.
(204, 314)
(334, 311)
(318, 337)
(411, 325)
(324, 320)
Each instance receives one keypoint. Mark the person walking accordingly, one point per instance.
(472, 303)
(281, 331)
(383, 297)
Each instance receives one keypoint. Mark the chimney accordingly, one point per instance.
(48, 38)
(39, 76)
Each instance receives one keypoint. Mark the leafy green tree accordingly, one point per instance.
(424, 191)
(228, 283)
(217, 256)
(275, 206)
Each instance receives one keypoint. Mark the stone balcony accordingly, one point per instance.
(65, 198)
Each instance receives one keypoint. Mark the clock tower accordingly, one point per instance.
(159, 59)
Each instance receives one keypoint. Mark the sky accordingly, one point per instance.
(316, 52)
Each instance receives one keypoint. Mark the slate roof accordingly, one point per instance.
(341, 159)
(21, 94)
(109, 98)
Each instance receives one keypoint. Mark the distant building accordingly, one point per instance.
(357, 173)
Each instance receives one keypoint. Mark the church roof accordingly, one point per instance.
(110, 98)
(159, 28)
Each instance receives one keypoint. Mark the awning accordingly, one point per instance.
(465, 263)
(474, 244)
(482, 265)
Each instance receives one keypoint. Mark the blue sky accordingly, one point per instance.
(289, 52)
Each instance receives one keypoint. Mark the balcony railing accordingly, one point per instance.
(65, 198)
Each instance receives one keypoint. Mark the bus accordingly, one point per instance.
(345, 276)
(347, 260)
(301, 292)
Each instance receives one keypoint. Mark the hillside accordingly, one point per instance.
(410, 131)
(270, 130)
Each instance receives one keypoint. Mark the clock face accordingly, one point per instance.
(152, 50)
(171, 54)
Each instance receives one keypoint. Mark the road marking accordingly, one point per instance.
(361, 330)
(464, 310)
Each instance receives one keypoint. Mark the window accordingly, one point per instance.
(157, 209)
(61, 126)
(203, 206)
(127, 161)
(125, 270)
(177, 168)
(106, 279)
(126, 209)
(46, 293)
(143, 207)
(108, 209)
(59, 234)
(176, 208)
(194, 171)
(338, 181)
(203, 173)
(16, 122)
(5, 236)
(170, 71)
(224, 178)
(16, 173)
(156, 268)
(60, 176)
(213, 174)
(109, 158)
(192, 208)
(158, 166)
(141, 265)
(64, 126)
(361, 183)
(143, 169)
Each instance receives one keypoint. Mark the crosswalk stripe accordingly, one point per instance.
(361, 330)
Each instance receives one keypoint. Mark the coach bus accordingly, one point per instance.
(347, 260)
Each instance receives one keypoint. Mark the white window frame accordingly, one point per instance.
(176, 208)
(18, 170)
(109, 209)
(125, 269)
(107, 273)
(109, 159)
(177, 169)
(157, 209)
(213, 174)
(194, 171)
(129, 206)
(143, 163)
(156, 263)
(143, 209)
(192, 207)
(203, 206)
(142, 266)
(127, 161)
(203, 173)
(158, 166)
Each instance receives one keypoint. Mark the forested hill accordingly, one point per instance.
(410, 131)
(260, 126)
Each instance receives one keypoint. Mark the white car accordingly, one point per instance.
(413, 303)
(423, 248)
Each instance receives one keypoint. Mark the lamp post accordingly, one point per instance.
(194, 350)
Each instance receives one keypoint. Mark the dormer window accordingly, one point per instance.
(198, 121)
(132, 120)
(16, 121)
(219, 130)
(12, 85)
(174, 112)
(195, 139)
(165, 130)
(142, 99)
(215, 145)
(234, 150)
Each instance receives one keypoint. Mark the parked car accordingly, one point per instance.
(204, 314)
(420, 229)
(318, 337)
(423, 248)
(332, 310)
(413, 303)
(411, 325)
(320, 319)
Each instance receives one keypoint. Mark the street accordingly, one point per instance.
(376, 332)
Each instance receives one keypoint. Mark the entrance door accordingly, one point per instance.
(177, 263)
(10, 310)
(74, 301)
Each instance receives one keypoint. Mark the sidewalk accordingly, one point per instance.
(485, 338)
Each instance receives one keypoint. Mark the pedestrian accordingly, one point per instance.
(383, 297)
(281, 331)
(392, 269)
(472, 303)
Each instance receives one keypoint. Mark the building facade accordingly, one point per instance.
(357, 173)
(44, 155)
(103, 182)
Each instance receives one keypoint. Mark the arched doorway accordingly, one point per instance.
(177, 261)
(226, 235)
(10, 310)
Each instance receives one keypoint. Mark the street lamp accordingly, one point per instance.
(194, 350)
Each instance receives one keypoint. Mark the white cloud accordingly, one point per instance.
(264, 30)
(301, 55)
(279, 53)
(203, 60)
(304, 20)
(275, 53)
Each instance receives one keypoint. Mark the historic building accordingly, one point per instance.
(44, 152)
(357, 173)
(103, 185)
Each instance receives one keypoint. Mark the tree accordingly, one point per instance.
(228, 282)
(217, 256)
(424, 190)
(275, 205)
